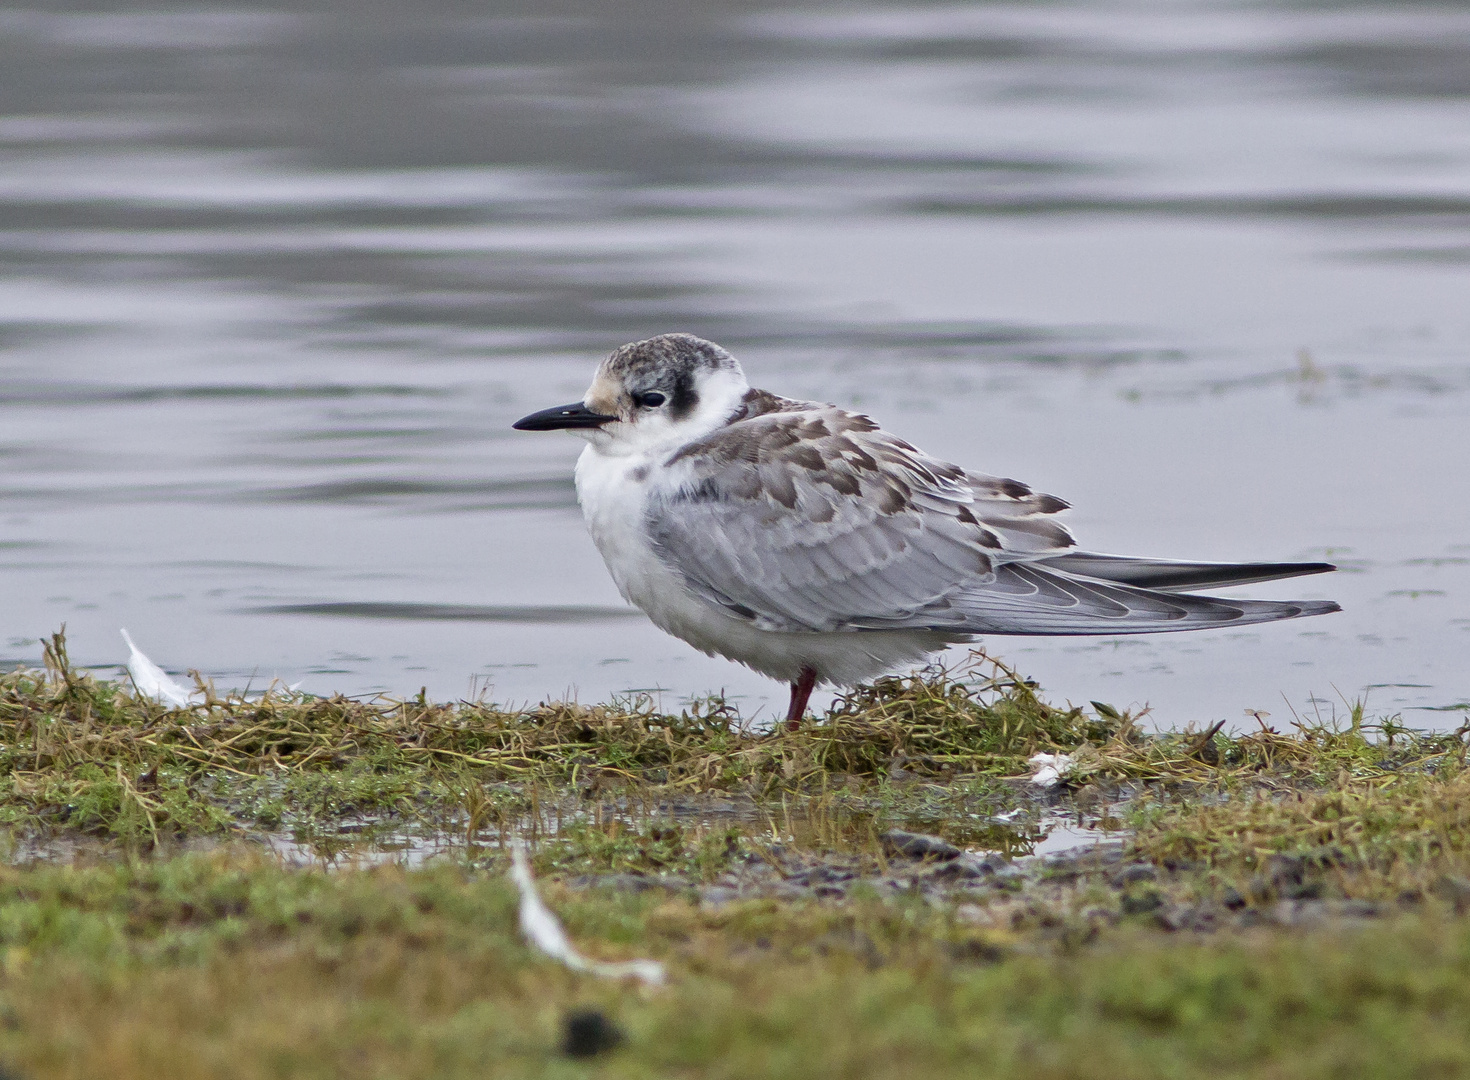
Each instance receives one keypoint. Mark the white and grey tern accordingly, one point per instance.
(809, 544)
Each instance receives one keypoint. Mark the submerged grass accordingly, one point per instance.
(88, 754)
(1368, 809)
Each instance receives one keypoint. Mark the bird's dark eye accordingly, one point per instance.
(650, 400)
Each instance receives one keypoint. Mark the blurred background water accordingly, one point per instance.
(276, 279)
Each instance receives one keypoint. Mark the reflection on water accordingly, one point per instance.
(274, 282)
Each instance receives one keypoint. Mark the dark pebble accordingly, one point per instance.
(785, 890)
(1133, 873)
(1142, 902)
(969, 867)
(1456, 890)
(1200, 918)
(1357, 909)
(1285, 872)
(1288, 877)
(635, 883)
(1330, 855)
(716, 896)
(1258, 888)
(1064, 863)
(917, 845)
(976, 951)
(1171, 919)
(1299, 912)
(588, 1032)
(1009, 878)
(819, 875)
(1307, 890)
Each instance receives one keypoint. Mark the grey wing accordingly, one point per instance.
(810, 518)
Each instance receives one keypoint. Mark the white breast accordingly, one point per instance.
(614, 492)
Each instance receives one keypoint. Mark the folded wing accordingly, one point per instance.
(806, 517)
(802, 517)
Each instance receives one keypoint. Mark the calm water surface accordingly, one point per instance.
(274, 282)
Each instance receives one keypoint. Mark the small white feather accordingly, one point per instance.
(1049, 769)
(152, 681)
(544, 931)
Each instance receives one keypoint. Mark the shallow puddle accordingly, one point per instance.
(802, 825)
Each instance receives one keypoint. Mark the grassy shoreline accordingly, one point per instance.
(1261, 904)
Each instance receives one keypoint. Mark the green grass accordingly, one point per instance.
(226, 965)
(174, 945)
(86, 754)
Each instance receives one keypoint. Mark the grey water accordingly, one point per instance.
(276, 279)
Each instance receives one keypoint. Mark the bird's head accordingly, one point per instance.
(663, 391)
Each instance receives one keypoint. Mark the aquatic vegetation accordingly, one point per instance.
(1271, 903)
(89, 754)
(82, 753)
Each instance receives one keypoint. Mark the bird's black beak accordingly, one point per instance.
(576, 415)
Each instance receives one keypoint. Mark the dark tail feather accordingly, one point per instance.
(1168, 575)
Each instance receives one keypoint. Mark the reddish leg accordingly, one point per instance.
(801, 692)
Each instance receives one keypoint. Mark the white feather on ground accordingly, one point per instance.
(1049, 769)
(152, 681)
(541, 927)
(544, 931)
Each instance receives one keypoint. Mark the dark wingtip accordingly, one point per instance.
(1317, 607)
(1296, 569)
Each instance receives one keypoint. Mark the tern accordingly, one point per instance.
(806, 542)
